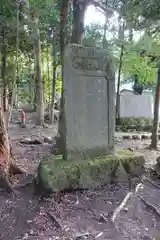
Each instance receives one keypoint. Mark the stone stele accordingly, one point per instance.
(89, 102)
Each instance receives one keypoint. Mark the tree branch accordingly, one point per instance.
(103, 8)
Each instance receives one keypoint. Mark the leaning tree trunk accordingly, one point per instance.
(154, 138)
(7, 161)
(39, 80)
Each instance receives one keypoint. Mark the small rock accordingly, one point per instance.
(130, 149)
(146, 238)
(48, 140)
(46, 116)
(26, 236)
(126, 210)
(82, 236)
(136, 137)
(25, 140)
(36, 141)
(31, 232)
(145, 136)
(128, 137)
(29, 221)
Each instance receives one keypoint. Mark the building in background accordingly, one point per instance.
(132, 105)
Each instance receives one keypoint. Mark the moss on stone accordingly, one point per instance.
(56, 174)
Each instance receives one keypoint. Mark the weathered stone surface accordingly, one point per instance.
(89, 91)
(133, 163)
(121, 174)
(56, 174)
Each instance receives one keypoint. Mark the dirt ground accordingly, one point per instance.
(77, 215)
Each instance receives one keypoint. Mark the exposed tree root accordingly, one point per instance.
(151, 182)
(6, 184)
(58, 146)
(149, 205)
(123, 203)
(83, 236)
(8, 165)
(121, 206)
(8, 169)
(14, 168)
(55, 220)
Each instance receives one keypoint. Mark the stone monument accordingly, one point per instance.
(89, 102)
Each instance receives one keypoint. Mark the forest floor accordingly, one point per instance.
(77, 215)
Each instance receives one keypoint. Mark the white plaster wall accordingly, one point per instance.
(132, 105)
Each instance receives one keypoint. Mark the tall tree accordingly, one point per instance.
(38, 75)
(60, 141)
(154, 138)
(79, 8)
(7, 163)
(3, 69)
(121, 38)
(54, 76)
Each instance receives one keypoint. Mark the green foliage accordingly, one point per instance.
(143, 13)
(93, 35)
(143, 66)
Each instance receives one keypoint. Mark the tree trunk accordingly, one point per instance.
(35, 92)
(30, 91)
(14, 85)
(31, 81)
(118, 84)
(60, 147)
(48, 74)
(130, 35)
(3, 71)
(154, 138)
(7, 162)
(53, 80)
(121, 38)
(15, 99)
(104, 41)
(78, 21)
(39, 80)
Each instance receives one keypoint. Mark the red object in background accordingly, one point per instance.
(22, 116)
